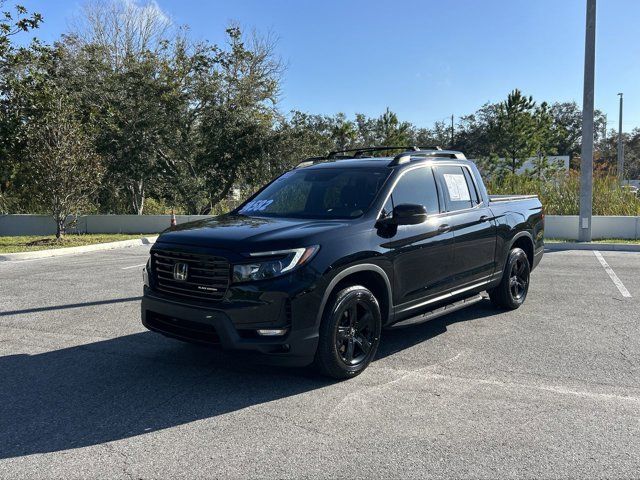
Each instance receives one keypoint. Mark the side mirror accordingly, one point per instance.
(405, 214)
(409, 214)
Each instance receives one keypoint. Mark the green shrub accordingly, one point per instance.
(153, 206)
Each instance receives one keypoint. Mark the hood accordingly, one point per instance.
(243, 233)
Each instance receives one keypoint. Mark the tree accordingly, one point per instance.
(437, 136)
(11, 24)
(631, 143)
(567, 124)
(545, 140)
(343, 132)
(387, 129)
(473, 135)
(118, 54)
(303, 136)
(237, 116)
(513, 131)
(62, 170)
(632, 155)
(123, 29)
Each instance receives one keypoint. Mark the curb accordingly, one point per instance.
(58, 252)
(614, 247)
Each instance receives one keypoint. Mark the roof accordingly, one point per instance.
(376, 162)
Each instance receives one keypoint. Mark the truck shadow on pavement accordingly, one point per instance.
(396, 340)
(135, 384)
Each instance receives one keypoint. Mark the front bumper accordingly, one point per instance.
(219, 326)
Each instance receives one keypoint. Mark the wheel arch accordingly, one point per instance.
(524, 240)
(370, 276)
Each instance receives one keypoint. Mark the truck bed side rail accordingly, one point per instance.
(510, 198)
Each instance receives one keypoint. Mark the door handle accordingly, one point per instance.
(444, 228)
(484, 218)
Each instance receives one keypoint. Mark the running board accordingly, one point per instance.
(430, 315)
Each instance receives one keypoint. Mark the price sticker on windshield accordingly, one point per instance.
(457, 187)
(256, 206)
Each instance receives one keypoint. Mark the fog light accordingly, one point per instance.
(272, 333)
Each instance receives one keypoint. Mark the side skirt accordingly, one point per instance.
(430, 315)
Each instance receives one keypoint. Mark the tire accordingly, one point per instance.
(514, 286)
(349, 333)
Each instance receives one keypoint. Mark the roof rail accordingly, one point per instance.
(359, 151)
(356, 153)
(405, 157)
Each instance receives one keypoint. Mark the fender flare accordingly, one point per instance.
(516, 237)
(365, 267)
(521, 234)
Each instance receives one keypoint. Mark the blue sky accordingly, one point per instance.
(423, 59)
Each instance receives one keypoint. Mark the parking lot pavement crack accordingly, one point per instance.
(597, 396)
(549, 378)
(404, 374)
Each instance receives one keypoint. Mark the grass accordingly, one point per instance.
(602, 240)
(31, 243)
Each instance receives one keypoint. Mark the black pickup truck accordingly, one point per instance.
(317, 263)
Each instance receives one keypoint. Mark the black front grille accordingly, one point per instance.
(207, 277)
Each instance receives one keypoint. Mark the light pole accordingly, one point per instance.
(451, 131)
(586, 159)
(620, 145)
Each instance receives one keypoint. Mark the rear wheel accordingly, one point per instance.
(349, 333)
(514, 286)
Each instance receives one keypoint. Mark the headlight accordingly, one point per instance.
(283, 262)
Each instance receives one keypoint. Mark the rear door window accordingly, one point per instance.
(475, 196)
(453, 182)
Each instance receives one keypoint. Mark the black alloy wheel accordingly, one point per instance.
(355, 332)
(512, 290)
(519, 278)
(349, 333)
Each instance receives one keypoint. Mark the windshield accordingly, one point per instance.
(322, 193)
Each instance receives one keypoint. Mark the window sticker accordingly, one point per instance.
(256, 206)
(457, 186)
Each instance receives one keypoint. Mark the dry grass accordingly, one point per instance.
(560, 195)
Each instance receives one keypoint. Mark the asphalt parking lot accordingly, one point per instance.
(549, 390)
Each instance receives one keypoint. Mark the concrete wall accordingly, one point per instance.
(566, 226)
(10, 225)
(131, 223)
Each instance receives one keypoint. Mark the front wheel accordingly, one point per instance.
(349, 333)
(514, 286)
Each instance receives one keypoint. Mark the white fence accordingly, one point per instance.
(566, 226)
(10, 225)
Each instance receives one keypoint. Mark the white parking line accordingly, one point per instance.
(134, 266)
(617, 282)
